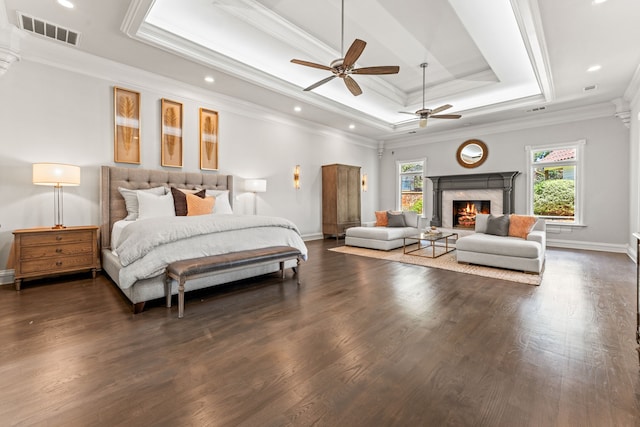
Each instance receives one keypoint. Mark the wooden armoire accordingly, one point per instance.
(340, 199)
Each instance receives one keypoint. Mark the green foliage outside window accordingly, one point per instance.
(554, 197)
(417, 206)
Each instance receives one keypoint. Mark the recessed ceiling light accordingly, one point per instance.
(297, 108)
(598, 1)
(593, 68)
(352, 126)
(209, 79)
(66, 3)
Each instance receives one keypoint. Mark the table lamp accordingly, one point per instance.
(56, 175)
(255, 186)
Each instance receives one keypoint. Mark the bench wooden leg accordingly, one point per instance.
(282, 269)
(167, 291)
(181, 297)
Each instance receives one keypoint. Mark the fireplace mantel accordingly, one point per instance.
(484, 181)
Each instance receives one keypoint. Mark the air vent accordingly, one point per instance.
(536, 109)
(48, 30)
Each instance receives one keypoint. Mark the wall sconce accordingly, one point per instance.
(296, 177)
(57, 176)
(364, 182)
(255, 186)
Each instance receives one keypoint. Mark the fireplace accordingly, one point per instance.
(475, 187)
(465, 211)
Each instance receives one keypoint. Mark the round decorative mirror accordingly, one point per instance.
(472, 153)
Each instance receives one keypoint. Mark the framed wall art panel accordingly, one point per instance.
(208, 139)
(171, 119)
(126, 145)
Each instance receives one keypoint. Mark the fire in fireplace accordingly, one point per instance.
(465, 211)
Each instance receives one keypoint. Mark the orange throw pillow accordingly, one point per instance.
(381, 219)
(199, 206)
(521, 225)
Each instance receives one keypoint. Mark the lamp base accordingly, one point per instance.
(59, 226)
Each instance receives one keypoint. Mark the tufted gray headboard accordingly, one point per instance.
(112, 206)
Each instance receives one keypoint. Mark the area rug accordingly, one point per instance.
(445, 262)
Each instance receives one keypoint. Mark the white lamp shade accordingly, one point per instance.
(56, 174)
(255, 185)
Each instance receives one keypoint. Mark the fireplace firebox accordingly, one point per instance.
(465, 211)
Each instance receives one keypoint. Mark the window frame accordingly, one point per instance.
(578, 162)
(399, 174)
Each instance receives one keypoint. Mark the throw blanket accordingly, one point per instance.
(146, 247)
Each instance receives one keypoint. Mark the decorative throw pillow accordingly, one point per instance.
(481, 223)
(131, 199)
(222, 205)
(381, 219)
(498, 225)
(410, 218)
(152, 206)
(180, 199)
(197, 205)
(521, 225)
(395, 219)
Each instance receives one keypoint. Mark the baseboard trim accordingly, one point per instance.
(6, 277)
(589, 246)
(314, 236)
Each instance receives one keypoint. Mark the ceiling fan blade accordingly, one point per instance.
(387, 69)
(354, 52)
(311, 64)
(353, 87)
(446, 116)
(407, 112)
(321, 82)
(441, 108)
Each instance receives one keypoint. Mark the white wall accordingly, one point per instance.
(634, 164)
(606, 179)
(51, 114)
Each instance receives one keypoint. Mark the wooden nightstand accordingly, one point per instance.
(44, 252)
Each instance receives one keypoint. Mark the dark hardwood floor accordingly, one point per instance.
(362, 342)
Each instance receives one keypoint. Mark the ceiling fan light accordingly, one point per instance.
(423, 122)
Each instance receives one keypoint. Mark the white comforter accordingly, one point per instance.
(147, 246)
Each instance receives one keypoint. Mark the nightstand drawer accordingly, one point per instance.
(55, 265)
(38, 239)
(34, 252)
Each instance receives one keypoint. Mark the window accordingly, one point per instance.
(411, 177)
(554, 186)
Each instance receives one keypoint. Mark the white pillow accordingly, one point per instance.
(152, 206)
(222, 205)
(410, 218)
(481, 223)
(131, 199)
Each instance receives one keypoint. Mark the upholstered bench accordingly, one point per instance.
(181, 271)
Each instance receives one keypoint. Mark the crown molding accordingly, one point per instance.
(527, 14)
(632, 93)
(604, 109)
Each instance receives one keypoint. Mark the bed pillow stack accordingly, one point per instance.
(180, 199)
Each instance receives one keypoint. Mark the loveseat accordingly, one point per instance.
(386, 237)
(517, 242)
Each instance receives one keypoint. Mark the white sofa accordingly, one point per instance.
(385, 238)
(514, 253)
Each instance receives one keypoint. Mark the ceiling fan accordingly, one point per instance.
(426, 113)
(343, 67)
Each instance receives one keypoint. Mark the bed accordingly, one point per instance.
(135, 253)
